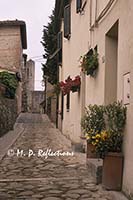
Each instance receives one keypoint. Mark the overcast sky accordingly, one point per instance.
(35, 13)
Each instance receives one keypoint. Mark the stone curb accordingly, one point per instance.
(118, 195)
(10, 138)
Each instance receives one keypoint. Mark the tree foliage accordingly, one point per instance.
(49, 42)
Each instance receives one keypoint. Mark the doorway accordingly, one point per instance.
(111, 57)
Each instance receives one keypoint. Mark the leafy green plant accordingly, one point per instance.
(115, 117)
(10, 82)
(104, 127)
(93, 121)
(90, 62)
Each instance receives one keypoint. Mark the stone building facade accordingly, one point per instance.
(104, 24)
(37, 99)
(13, 40)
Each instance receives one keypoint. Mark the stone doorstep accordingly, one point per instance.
(95, 167)
(118, 195)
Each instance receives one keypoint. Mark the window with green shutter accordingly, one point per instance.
(59, 40)
(59, 47)
(67, 21)
(78, 5)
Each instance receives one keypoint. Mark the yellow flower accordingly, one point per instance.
(88, 137)
(93, 137)
(98, 135)
(104, 135)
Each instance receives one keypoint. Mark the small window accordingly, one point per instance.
(67, 21)
(68, 102)
(62, 106)
(78, 5)
(59, 40)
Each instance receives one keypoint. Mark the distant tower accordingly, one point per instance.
(28, 81)
(30, 75)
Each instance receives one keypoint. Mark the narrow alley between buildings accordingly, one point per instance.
(27, 175)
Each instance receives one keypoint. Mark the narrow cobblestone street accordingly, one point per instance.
(36, 178)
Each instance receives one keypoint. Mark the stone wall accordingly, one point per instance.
(8, 114)
(10, 48)
(37, 99)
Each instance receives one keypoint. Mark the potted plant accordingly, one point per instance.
(104, 128)
(89, 62)
(92, 124)
(113, 157)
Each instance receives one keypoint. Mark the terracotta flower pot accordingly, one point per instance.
(112, 171)
(91, 151)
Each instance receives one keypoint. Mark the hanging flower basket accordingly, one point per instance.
(89, 62)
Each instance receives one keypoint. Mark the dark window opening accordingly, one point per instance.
(68, 102)
(62, 106)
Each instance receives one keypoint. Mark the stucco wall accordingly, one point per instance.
(103, 86)
(114, 62)
(73, 49)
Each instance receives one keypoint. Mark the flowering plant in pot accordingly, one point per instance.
(92, 123)
(89, 62)
(104, 128)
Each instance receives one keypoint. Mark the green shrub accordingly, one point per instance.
(10, 82)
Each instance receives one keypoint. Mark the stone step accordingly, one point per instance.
(95, 167)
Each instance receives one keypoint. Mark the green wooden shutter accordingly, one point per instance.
(78, 5)
(67, 21)
(59, 40)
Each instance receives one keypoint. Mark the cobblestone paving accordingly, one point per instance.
(35, 178)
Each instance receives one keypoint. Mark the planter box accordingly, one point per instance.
(95, 166)
(112, 171)
(91, 151)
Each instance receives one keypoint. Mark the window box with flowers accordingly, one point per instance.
(75, 85)
(70, 85)
(89, 62)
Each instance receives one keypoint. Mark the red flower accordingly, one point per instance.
(69, 83)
